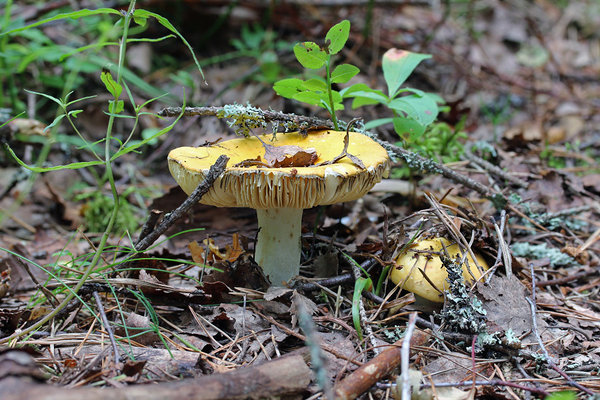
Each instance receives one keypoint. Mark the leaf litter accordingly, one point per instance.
(213, 311)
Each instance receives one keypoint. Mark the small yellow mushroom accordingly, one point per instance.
(409, 264)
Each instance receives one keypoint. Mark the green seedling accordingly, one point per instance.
(413, 110)
(318, 91)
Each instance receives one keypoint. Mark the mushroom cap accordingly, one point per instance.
(410, 261)
(262, 187)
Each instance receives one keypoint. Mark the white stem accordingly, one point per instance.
(278, 244)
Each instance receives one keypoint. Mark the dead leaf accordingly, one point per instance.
(504, 301)
(288, 156)
(300, 302)
(212, 253)
(140, 326)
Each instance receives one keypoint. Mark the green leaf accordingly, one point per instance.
(288, 87)
(343, 73)
(422, 109)
(75, 165)
(116, 107)
(139, 13)
(362, 90)
(72, 15)
(363, 101)
(55, 122)
(562, 395)
(141, 21)
(378, 122)
(309, 97)
(397, 66)
(337, 36)
(315, 84)
(408, 126)
(60, 102)
(310, 55)
(113, 87)
(359, 285)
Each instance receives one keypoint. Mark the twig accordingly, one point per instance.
(310, 123)
(49, 295)
(150, 223)
(493, 382)
(371, 372)
(503, 250)
(107, 327)
(276, 117)
(406, 395)
(334, 281)
(549, 360)
(215, 170)
(280, 378)
(415, 161)
(493, 169)
(567, 279)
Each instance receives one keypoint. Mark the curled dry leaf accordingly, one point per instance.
(288, 155)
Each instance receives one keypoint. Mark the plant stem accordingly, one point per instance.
(3, 44)
(113, 216)
(331, 105)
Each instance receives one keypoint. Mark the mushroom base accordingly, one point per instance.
(278, 243)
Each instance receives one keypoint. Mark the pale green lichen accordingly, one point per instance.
(461, 311)
(551, 221)
(540, 251)
(243, 118)
(511, 338)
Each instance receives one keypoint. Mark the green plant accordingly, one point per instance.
(260, 44)
(562, 395)
(103, 153)
(97, 209)
(318, 91)
(412, 109)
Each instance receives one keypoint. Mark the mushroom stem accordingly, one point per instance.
(277, 248)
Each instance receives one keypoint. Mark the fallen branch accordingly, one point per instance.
(371, 372)
(252, 117)
(247, 117)
(284, 376)
(217, 169)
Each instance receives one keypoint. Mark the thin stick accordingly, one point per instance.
(494, 169)
(493, 382)
(215, 170)
(310, 123)
(107, 327)
(406, 395)
(307, 123)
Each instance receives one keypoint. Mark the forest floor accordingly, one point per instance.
(522, 91)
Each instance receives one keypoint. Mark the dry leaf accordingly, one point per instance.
(289, 156)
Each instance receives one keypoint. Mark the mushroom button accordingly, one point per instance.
(312, 174)
(423, 258)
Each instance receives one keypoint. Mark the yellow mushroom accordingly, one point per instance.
(409, 264)
(279, 194)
